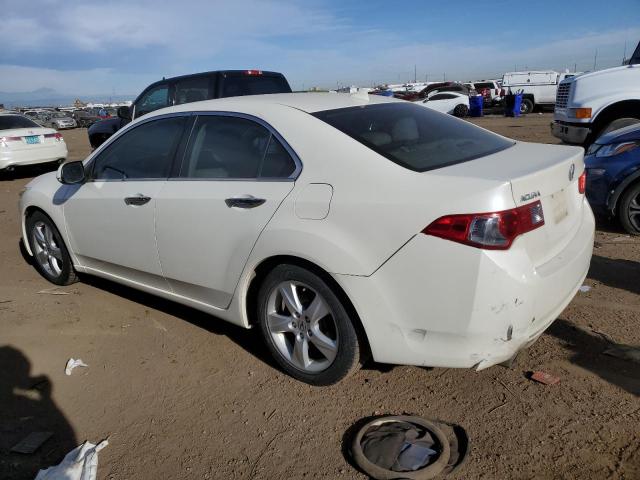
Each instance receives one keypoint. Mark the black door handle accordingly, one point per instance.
(244, 202)
(137, 200)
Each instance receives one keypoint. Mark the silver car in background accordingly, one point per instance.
(60, 121)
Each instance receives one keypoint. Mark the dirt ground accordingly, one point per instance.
(184, 395)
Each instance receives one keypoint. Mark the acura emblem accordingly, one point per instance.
(572, 171)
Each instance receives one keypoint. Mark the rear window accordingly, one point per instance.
(413, 136)
(239, 85)
(482, 86)
(16, 121)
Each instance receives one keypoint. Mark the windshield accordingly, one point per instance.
(16, 121)
(413, 136)
(60, 115)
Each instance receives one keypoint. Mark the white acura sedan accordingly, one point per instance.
(340, 226)
(24, 142)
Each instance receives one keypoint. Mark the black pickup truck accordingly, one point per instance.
(190, 88)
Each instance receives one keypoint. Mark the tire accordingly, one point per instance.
(461, 111)
(50, 255)
(629, 209)
(290, 331)
(526, 106)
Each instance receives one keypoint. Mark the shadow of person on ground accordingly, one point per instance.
(616, 273)
(588, 353)
(25, 407)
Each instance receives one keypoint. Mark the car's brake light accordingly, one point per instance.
(57, 136)
(582, 182)
(493, 231)
(5, 140)
(253, 72)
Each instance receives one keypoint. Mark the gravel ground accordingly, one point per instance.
(181, 394)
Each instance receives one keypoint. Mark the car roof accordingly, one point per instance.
(306, 102)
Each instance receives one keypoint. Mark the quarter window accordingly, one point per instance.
(144, 152)
(154, 99)
(233, 147)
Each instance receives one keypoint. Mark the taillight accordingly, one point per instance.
(5, 140)
(492, 231)
(582, 182)
(57, 136)
(254, 72)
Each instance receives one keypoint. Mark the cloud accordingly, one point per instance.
(87, 48)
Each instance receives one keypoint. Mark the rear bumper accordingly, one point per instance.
(441, 304)
(570, 133)
(50, 153)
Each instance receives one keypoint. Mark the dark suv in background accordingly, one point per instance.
(187, 89)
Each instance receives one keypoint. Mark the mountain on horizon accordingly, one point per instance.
(49, 97)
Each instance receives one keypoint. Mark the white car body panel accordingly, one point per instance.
(16, 153)
(358, 216)
(203, 243)
(107, 235)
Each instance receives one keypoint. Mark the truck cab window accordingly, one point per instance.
(154, 99)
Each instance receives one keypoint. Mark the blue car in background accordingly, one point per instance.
(613, 176)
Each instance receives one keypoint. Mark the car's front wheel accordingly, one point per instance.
(629, 210)
(51, 257)
(306, 327)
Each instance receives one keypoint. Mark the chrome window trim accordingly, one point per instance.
(296, 159)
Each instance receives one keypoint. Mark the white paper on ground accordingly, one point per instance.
(71, 364)
(81, 463)
(585, 288)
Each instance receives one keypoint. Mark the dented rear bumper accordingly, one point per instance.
(442, 304)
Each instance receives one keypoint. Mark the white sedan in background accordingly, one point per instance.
(339, 225)
(454, 103)
(24, 142)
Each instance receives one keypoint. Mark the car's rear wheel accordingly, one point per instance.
(461, 111)
(306, 327)
(51, 257)
(629, 210)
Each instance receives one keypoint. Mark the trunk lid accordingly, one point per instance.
(537, 172)
(23, 133)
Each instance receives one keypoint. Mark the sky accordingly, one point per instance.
(117, 47)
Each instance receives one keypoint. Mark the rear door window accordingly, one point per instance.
(414, 137)
(192, 90)
(227, 147)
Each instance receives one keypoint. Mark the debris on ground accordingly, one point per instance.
(624, 352)
(71, 364)
(81, 463)
(392, 447)
(54, 291)
(584, 288)
(31, 442)
(544, 378)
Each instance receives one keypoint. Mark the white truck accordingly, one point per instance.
(538, 87)
(595, 103)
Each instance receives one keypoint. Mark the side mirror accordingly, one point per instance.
(71, 173)
(124, 113)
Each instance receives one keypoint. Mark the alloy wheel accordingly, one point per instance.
(302, 326)
(47, 252)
